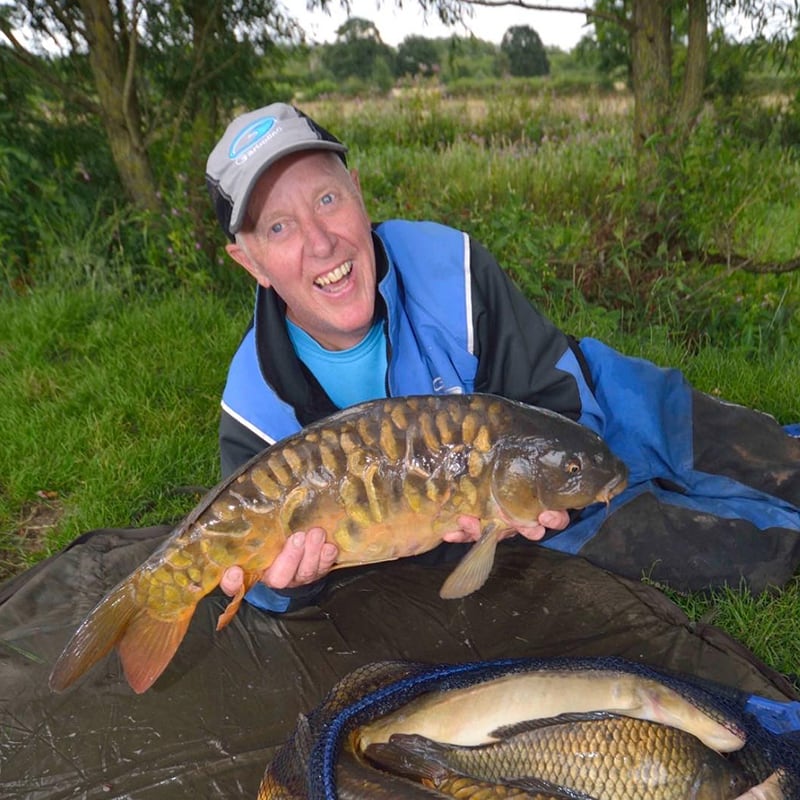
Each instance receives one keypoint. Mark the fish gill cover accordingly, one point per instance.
(305, 767)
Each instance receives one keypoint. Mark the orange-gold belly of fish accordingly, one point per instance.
(385, 479)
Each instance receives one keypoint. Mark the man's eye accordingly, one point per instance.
(276, 228)
(327, 199)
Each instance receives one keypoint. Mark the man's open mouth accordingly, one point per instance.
(335, 275)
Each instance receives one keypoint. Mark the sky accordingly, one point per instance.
(555, 28)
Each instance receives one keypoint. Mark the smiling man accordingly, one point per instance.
(347, 310)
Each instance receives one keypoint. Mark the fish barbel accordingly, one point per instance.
(604, 756)
(385, 479)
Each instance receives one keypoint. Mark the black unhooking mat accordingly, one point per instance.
(212, 722)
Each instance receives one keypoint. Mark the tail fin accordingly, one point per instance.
(145, 644)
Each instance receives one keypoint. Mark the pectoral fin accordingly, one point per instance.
(473, 570)
(248, 581)
(404, 761)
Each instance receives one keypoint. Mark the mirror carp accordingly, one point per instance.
(385, 479)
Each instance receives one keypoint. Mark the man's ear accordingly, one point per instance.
(240, 256)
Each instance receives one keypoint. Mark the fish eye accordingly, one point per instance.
(573, 466)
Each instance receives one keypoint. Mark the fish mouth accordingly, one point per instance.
(612, 488)
(335, 276)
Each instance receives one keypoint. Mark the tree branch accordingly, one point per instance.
(36, 65)
(130, 73)
(589, 12)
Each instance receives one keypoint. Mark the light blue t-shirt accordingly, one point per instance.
(348, 376)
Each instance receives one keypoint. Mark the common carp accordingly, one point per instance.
(603, 756)
(385, 479)
(356, 779)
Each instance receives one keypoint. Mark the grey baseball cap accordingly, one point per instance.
(252, 143)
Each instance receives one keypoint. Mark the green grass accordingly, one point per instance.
(110, 407)
(768, 623)
(112, 360)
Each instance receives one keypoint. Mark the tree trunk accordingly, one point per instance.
(651, 61)
(694, 79)
(651, 57)
(119, 108)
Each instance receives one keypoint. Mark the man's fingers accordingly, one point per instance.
(554, 520)
(281, 573)
(306, 557)
(470, 530)
(232, 580)
(308, 569)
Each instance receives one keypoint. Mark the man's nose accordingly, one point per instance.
(320, 239)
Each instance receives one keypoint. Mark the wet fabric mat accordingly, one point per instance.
(228, 700)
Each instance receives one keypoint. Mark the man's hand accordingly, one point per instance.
(306, 557)
(470, 530)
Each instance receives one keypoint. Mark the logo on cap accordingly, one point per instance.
(250, 136)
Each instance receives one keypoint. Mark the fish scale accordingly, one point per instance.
(385, 479)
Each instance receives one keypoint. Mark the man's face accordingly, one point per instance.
(309, 239)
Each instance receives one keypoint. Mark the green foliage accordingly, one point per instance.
(612, 52)
(774, 118)
(727, 68)
(359, 53)
(319, 90)
(51, 168)
(523, 48)
(417, 55)
(467, 58)
(565, 176)
(767, 623)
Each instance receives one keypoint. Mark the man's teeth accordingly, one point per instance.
(335, 274)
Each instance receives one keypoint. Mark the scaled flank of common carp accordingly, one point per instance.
(602, 756)
(385, 479)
